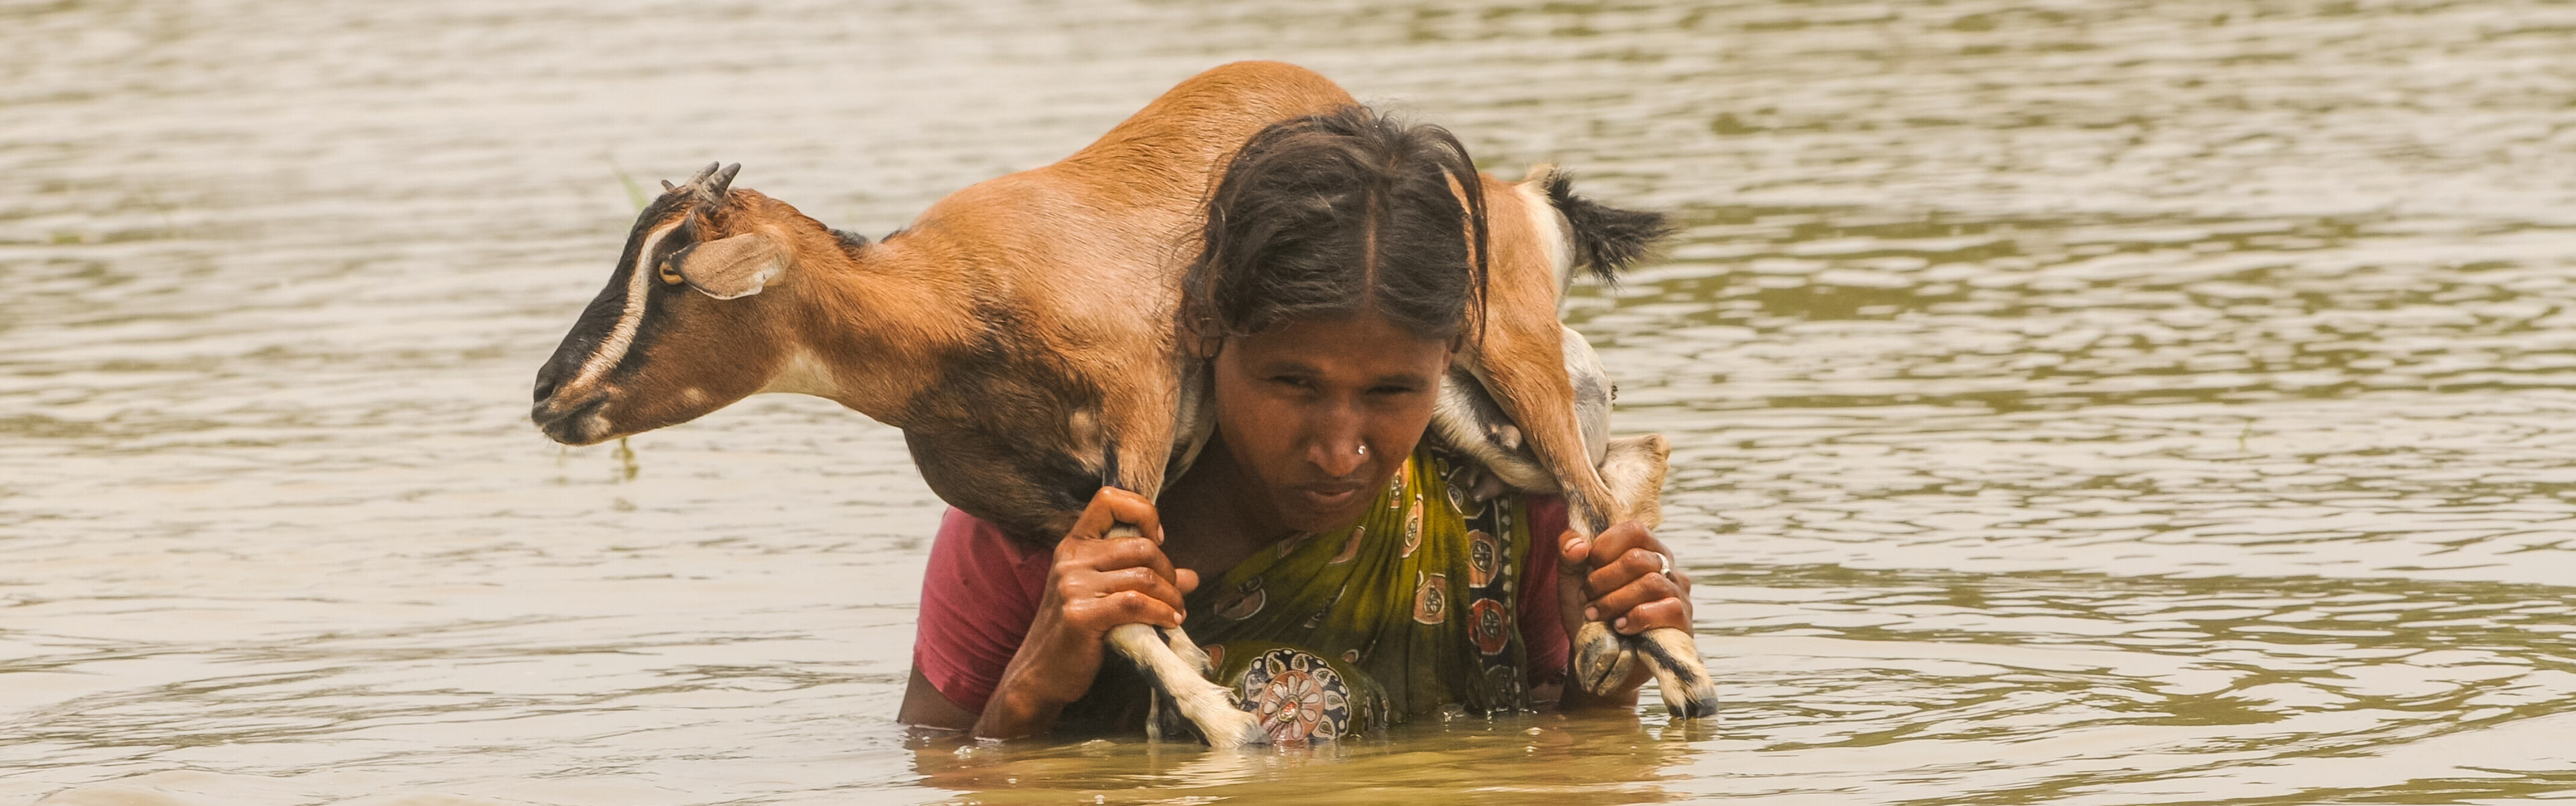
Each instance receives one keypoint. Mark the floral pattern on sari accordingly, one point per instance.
(1298, 697)
(1407, 611)
(1334, 634)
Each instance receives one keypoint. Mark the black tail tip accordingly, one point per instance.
(1607, 240)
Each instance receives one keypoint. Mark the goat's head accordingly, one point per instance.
(682, 328)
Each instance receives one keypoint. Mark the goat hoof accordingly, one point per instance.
(1602, 658)
(1689, 693)
(1701, 704)
(1228, 728)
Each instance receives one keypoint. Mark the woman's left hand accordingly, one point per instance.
(1628, 586)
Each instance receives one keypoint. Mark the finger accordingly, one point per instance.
(1131, 508)
(1124, 552)
(1624, 537)
(1187, 579)
(1572, 550)
(1616, 603)
(1629, 567)
(1111, 506)
(1096, 517)
(1652, 570)
(1099, 614)
(1138, 578)
(1674, 613)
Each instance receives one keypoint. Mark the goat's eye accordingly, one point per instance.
(669, 277)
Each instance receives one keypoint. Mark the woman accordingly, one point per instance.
(1353, 584)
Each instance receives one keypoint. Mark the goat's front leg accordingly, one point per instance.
(1178, 668)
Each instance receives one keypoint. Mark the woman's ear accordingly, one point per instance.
(1200, 345)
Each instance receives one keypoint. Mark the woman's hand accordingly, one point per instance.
(1628, 585)
(1096, 583)
(1618, 576)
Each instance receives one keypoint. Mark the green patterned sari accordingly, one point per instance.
(1333, 634)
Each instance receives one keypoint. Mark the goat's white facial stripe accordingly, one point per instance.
(620, 338)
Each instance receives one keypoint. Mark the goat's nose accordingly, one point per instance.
(547, 379)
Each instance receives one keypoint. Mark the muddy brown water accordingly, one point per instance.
(2086, 403)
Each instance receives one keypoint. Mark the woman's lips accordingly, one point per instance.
(1328, 496)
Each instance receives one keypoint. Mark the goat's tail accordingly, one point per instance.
(1606, 239)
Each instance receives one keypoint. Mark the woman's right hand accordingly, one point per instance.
(1096, 583)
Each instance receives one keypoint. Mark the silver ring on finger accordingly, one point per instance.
(1667, 570)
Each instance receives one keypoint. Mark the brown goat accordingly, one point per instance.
(1021, 334)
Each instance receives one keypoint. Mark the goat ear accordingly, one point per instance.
(733, 267)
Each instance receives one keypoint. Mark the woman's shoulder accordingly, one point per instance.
(979, 594)
(973, 549)
(979, 576)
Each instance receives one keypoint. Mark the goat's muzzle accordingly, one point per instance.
(570, 416)
(573, 422)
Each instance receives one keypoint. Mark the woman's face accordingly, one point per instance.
(1297, 402)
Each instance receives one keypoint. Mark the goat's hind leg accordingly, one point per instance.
(1527, 360)
(1634, 471)
(1531, 377)
(1675, 660)
(1604, 659)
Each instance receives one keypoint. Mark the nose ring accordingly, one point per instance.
(1363, 449)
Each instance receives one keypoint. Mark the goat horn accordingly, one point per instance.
(723, 180)
(668, 187)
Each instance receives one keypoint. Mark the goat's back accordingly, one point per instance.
(1169, 154)
(1075, 272)
(1092, 246)
(1130, 199)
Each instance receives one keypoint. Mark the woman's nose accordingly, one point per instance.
(1338, 447)
(1340, 456)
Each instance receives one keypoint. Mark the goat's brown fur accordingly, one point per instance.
(1018, 331)
(1021, 331)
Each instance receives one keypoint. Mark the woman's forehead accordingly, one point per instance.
(1360, 344)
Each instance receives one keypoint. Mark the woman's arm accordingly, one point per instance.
(925, 707)
(1094, 584)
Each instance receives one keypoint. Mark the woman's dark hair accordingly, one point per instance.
(1333, 214)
